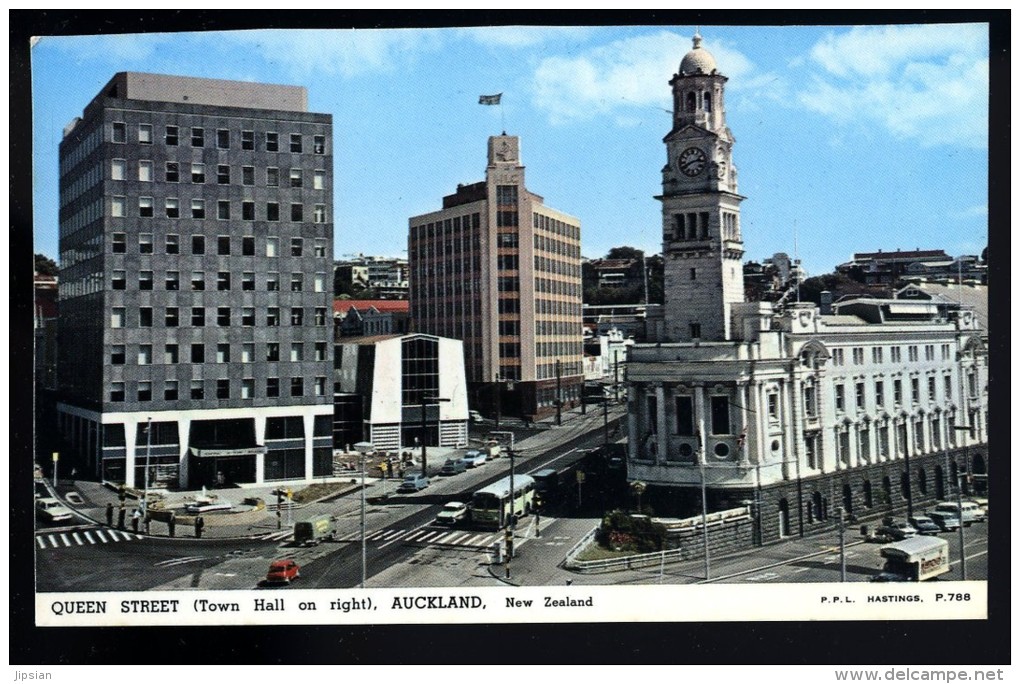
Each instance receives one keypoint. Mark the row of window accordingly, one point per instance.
(225, 316)
(555, 246)
(224, 209)
(557, 308)
(556, 227)
(294, 178)
(545, 371)
(224, 281)
(172, 355)
(897, 392)
(221, 389)
(225, 245)
(690, 226)
(558, 287)
(945, 352)
(570, 348)
(557, 267)
(224, 138)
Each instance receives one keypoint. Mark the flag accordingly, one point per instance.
(489, 99)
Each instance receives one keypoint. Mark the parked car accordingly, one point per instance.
(474, 458)
(475, 417)
(982, 503)
(946, 521)
(453, 466)
(283, 572)
(50, 510)
(413, 483)
(924, 525)
(452, 513)
(968, 512)
(197, 507)
(897, 531)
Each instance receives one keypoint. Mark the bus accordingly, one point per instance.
(491, 506)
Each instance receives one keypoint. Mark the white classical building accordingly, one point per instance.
(798, 410)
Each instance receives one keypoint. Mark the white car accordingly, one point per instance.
(207, 506)
(452, 513)
(49, 509)
(474, 458)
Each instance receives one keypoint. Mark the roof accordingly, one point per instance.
(698, 60)
(369, 339)
(342, 306)
(974, 296)
(900, 255)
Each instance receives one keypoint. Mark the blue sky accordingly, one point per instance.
(851, 138)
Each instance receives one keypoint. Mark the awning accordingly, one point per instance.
(224, 453)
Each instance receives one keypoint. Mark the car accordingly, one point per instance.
(413, 483)
(972, 513)
(283, 572)
(924, 525)
(197, 507)
(897, 531)
(49, 509)
(946, 522)
(474, 458)
(452, 513)
(475, 416)
(453, 466)
(982, 503)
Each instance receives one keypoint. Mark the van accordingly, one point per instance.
(413, 483)
(968, 512)
(314, 530)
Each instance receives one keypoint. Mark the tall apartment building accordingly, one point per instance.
(501, 271)
(195, 283)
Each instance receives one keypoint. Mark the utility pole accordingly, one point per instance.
(363, 449)
(605, 419)
(616, 375)
(424, 432)
(842, 546)
(559, 396)
(148, 450)
(704, 512)
(499, 398)
(959, 508)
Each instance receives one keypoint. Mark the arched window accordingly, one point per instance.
(922, 481)
(940, 483)
(848, 500)
(708, 102)
(784, 518)
(691, 102)
(868, 499)
(905, 484)
(817, 508)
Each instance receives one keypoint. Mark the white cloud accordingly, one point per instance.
(972, 212)
(926, 83)
(522, 36)
(625, 74)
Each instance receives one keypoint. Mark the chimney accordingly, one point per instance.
(826, 305)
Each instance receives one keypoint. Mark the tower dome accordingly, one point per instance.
(698, 60)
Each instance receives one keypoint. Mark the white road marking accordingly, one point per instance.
(414, 535)
(40, 542)
(392, 533)
(102, 537)
(88, 535)
(429, 536)
(63, 538)
(77, 538)
(477, 539)
(53, 542)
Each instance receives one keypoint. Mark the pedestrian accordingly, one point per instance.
(199, 524)
(171, 523)
(135, 517)
(383, 467)
(109, 514)
(148, 522)
(120, 518)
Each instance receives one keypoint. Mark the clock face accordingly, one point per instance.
(692, 161)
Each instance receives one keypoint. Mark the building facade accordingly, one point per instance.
(501, 271)
(796, 411)
(195, 255)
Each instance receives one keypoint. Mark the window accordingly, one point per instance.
(145, 134)
(272, 177)
(896, 354)
(198, 208)
(117, 388)
(223, 138)
(145, 317)
(773, 405)
(172, 244)
(695, 330)
(248, 175)
(319, 215)
(295, 178)
(273, 316)
(247, 388)
(223, 174)
(118, 243)
(931, 389)
(319, 179)
(320, 386)
(320, 247)
(297, 387)
(173, 207)
(173, 172)
(876, 355)
(119, 132)
(223, 280)
(198, 173)
(720, 415)
(248, 210)
(198, 244)
(248, 352)
(198, 137)
(694, 274)
(118, 169)
(223, 245)
(685, 416)
(223, 210)
(879, 393)
(272, 351)
(223, 316)
(912, 353)
(197, 280)
(320, 315)
(272, 246)
(145, 207)
(810, 409)
(915, 390)
(144, 354)
(296, 282)
(272, 387)
(117, 206)
(170, 390)
(119, 280)
(272, 141)
(248, 280)
(248, 316)
(223, 389)
(198, 353)
(198, 316)
(859, 395)
(295, 146)
(145, 171)
(897, 392)
(319, 282)
(248, 245)
(840, 397)
(171, 136)
(247, 140)
(172, 318)
(272, 211)
(273, 282)
(297, 212)
(320, 351)
(319, 144)
(117, 355)
(145, 243)
(858, 355)
(223, 353)
(296, 246)
(197, 389)
(297, 351)
(297, 316)
(145, 280)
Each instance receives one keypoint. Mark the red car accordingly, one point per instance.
(283, 571)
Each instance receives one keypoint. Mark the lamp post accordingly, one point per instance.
(363, 449)
(842, 545)
(425, 400)
(704, 510)
(148, 450)
(959, 507)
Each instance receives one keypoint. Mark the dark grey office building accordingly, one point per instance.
(195, 287)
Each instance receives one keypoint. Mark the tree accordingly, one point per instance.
(624, 253)
(45, 265)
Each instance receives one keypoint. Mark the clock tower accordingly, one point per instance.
(701, 241)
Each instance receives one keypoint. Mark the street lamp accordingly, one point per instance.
(959, 505)
(704, 506)
(363, 449)
(148, 450)
(424, 429)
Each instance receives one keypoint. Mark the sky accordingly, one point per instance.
(848, 139)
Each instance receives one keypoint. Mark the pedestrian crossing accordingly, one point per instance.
(429, 536)
(59, 540)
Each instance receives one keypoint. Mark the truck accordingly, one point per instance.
(916, 559)
(312, 531)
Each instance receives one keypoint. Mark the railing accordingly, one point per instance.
(569, 560)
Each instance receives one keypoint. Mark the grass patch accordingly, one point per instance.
(318, 490)
(595, 551)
